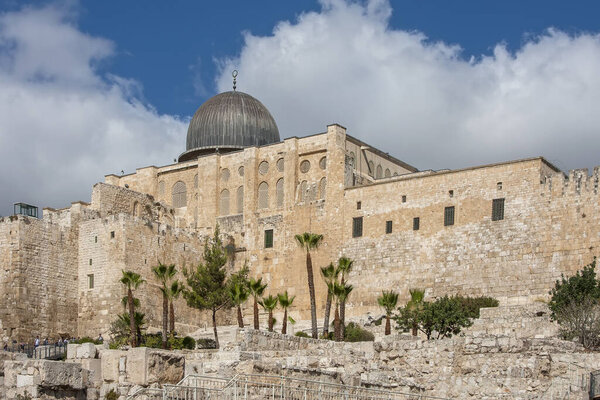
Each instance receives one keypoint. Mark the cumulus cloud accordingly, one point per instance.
(63, 125)
(426, 102)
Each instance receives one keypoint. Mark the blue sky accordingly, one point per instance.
(89, 88)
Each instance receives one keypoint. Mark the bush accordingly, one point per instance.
(112, 395)
(118, 342)
(206, 344)
(575, 289)
(302, 334)
(354, 333)
(446, 316)
(153, 340)
(87, 339)
(189, 343)
(471, 305)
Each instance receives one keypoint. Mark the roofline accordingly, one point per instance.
(382, 154)
(406, 177)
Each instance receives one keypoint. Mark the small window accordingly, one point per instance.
(499, 185)
(90, 261)
(388, 226)
(145, 261)
(95, 239)
(357, 227)
(497, 209)
(358, 205)
(416, 222)
(451, 193)
(112, 234)
(449, 216)
(404, 198)
(268, 238)
(90, 281)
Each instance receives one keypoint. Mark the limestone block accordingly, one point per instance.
(24, 380)
(136, 365)
(57, 373)
(94, 365)
(72, 351)
(86, 350)
(110, 360)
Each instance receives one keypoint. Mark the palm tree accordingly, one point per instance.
(344, 266)
(329, 274)
(138, 321)
(132, 281)
(415, 304)
(256, 290)
(285, 302)
(310, 241)
(269, 304)
(174, 291)
(164, 273)
(340, 293)
(239, 294)
(388, 301)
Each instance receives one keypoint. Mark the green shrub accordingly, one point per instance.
(118, 342)
(354, 333)
(87, 339)
(575, 289)
(189, 343)
(302, 334)
(112, 395)
(471, 305)
(329, 336)
(446, 316)
(206, 344)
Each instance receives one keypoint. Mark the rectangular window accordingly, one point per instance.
(95, 239)
(449, 216)
(90, 261)
(497, 209)
(112, 234)
(416, 223)
(358, 205)
(404, 198)
(357, 225)
(268, 238)
(388, 226)
(91, 281)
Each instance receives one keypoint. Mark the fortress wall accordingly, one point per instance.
(548, 229)
(39, 277)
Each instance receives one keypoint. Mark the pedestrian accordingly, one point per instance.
(37, 342)
(60, 342)
(46, 342)
(100, 338)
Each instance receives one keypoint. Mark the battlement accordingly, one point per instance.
(577, 182)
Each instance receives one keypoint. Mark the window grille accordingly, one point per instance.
(304, 166)
(497, 209)
(404, 198)
(279, 192)
(449, 216)
(323, 162)
(263, 195)
(91, 281)
(112, 234)
(358, 205)
(388, 226)
(357, 227)
(179, 195)
(322, 187)
(387, 173)
(268, 238)
(225, 174)
(280, 165)
(416, 223)
(240, 200)
(224, 202)
(379, 173)
(263, 167)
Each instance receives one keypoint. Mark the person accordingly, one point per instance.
(100, 338)
(5, 346)
(37, 342)
(46, 342)
(60, 342)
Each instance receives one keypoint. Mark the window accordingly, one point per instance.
(263, 195)
(279, 192)
(451, 193)
(357, 227)
(404, 198)
(224, 202)
(416, 223)
(499, 185)
(322, 188)
(90, 281)
(112, 235)
(388, 226)
(179, 195)
(240, 200)
(358, 205)
(497, 209)
(95, 239)
(449, 216)
(268, 238)
(90, 261)
(379, 173)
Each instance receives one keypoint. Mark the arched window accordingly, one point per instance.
(387, 173)
(322, 187)
(224, 202)
(279, 192)
(371, 168)
(263, 195)
(303, 191)
(240, 200)
(179, 195)
(379, 173)
(352, 159)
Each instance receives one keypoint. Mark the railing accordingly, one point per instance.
(250, 387)
(594, 385)
(48, 352)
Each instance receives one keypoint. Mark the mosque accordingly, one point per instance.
(506, 230)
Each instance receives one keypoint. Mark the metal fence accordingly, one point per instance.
(48, 352)
(594, 385)
(250, 387)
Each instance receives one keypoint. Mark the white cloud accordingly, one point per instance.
(62, 125)
(422, 101)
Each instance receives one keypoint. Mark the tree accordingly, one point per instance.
(575, 305)
(132, 281)
(344, 267)
(388, 301)
(446, 316)
(164, 273)
(207, 284)
(285, 301)
(408, 317)
(174, 291)
(269, 304)
(310, 241)
(340, 293)
(124, 320)
(257, 289)
(238, 292)
(329, 274)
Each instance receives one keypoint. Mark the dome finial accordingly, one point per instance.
(234, 74)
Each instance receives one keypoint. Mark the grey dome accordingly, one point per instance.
(229, 121)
